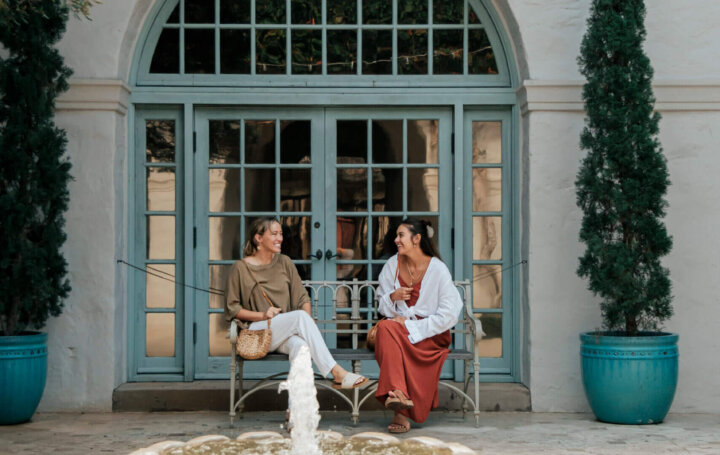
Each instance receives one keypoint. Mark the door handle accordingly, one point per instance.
(329, 254)
(318, 255)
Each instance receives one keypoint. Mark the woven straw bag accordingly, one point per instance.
(254, 344)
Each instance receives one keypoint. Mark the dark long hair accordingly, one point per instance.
(416, 226)
(258, 226)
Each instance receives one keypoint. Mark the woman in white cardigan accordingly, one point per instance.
(417, 295)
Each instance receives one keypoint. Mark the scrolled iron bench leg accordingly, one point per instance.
(232, 388)
(476, 371)
(355, 414)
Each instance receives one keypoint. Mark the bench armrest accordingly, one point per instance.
(234, 331)
(475, 325)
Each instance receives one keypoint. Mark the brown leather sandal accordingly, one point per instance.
(399, 401)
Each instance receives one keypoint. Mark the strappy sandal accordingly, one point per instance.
(398, 428)
(351, 381)
(398, 402)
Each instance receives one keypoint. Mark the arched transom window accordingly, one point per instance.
(386, 40)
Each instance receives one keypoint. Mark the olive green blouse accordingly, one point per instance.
(279, 278)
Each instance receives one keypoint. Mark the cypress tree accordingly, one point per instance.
(623, 178)
(34, 172)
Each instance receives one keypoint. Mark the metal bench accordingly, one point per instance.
(353, 309)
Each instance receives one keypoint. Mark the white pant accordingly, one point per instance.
(292, 330)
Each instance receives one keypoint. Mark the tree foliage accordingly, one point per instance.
(623, 178)
(34, 173)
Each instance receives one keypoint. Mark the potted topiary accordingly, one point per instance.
(33, 197)
(630, 369)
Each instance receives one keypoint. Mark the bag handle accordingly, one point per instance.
(260, 286)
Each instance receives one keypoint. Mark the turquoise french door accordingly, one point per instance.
(338, 180)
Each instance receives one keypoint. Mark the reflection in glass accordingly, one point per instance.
(422, 187)
(199, 12)
(306, 51)
(412, 51)
(487, 189)
(159, 286)
(341, 12)
(160, 334)
(341, 51)
(166, 57)
(491, 344)
(218, 282)
(295, 190)
(448, 52)
(160, 188)
(224, 237)
(259, 141)
(377, 12)
(270, 51)
(387, 141)
(383, 238)
(259, 190)
(235, 51)
(412, 12)
(422, 141)
(387, 190)
(296, 236)
(481, 58)
(217, 329)
(224, 141)
(270, 12)
(199, 51)
(448, 12)
(351, 189)
(351, 243)
(235, 11)
(224, 190)
(487, 286)
(160, 141)
(487, 238)
(295, 141)
(377, 52)
(349, 272)
(487, 142)
(160, 237)
(306, 11)
(352, 140)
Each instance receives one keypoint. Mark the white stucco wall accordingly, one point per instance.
(88, 342)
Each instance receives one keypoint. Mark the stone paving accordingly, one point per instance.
(499, 433)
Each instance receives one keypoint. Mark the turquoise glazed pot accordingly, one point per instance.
(629, 380)
(23, 369)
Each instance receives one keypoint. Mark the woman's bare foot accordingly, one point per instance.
(399, 424)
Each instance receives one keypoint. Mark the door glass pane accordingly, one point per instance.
(160, 237)
(270, 51)
(377, 51)
(387, 189)
(351, 141)
(235, 51)
(296, 236)
(166, 57)
(224, 190)
(487, 238)
(491, 344)
(341, 11)
(423, 191)
(199, 12)
(218, 281)
(270, 12)
(448, 52)
(412, 12)
(351, 189)
(487, 286)
(160, 141)
(200, 51)
(259, 141)
(481, 58)
(306, 11)
(159, 286)
(412, 51)
(224, 141)
(487, 189)
(351, 239)
(235, 11)
(255, 200)
(295, 141)
(341, 51)
(387, 141)
(448, 12)
(377, 12)
(161, 188)
(224, 237)
(174, 16)
(218, 345)
(487, 142)
(160, 334)
(383, 238)
(422, 141)
(306, 51)
(295, 190)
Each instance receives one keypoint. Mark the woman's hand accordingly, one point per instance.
(399, 319)
(401, 294)
(272, 312)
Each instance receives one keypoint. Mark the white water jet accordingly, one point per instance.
(302, 397)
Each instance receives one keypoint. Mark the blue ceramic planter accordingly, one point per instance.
(629, 380)
(23, 369)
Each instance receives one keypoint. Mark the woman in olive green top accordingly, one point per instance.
(292, 326)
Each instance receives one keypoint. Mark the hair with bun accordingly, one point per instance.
(424, 228)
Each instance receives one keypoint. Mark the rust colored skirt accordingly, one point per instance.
(412, 368)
